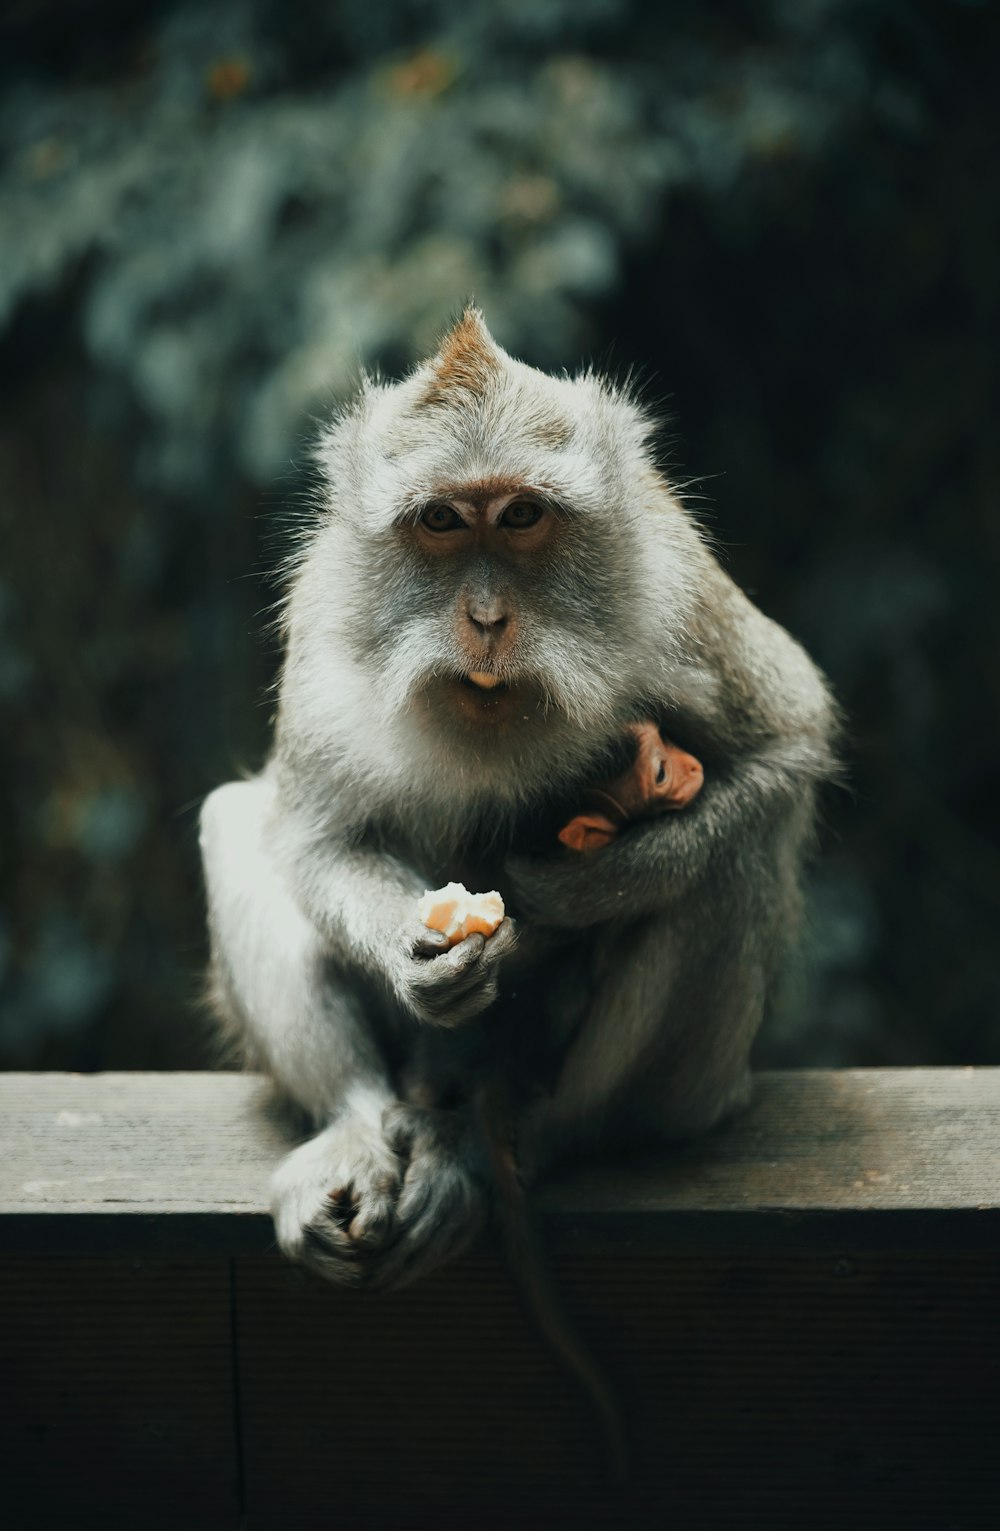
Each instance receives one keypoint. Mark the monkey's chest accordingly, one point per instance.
(480, 859)
(523, 1036)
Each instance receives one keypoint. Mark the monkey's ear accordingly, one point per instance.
(468, 361)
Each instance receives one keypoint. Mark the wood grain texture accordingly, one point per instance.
(180, 1163)
(800, 1315)
(117, 1401)
(790, 1393)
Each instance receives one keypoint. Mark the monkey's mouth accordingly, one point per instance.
(481, 680)
(479, 699)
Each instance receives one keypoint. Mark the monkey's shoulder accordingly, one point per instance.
(742, 679)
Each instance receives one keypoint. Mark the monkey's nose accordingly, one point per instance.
(487, 617)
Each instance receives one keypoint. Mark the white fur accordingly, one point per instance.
(313, 869)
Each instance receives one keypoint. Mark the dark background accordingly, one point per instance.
(783, 215)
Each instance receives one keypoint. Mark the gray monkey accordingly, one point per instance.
(498, 582)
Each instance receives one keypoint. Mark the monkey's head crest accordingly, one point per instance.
(472, 410)
(468, 362)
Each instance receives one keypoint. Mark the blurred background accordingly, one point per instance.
(783, 214)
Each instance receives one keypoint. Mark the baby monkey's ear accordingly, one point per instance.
(588, 832)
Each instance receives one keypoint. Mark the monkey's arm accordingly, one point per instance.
(660, 862)
(768, 721)
(381, 1191)
(363, 902)
(357, 897)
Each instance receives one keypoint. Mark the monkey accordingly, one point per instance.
(498, 582)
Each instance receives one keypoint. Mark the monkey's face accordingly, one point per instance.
(494, 551)
(488, 549)
(483, 544)
(508, 610)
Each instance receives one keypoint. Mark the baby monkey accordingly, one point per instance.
(661, 778)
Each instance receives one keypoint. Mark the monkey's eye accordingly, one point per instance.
(521, 513)
(441, 518)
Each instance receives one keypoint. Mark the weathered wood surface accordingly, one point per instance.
(806, 1333)
(180, 1163)
(117, 1404)
(797, 1392)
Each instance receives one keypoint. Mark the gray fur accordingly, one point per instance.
(643, 968)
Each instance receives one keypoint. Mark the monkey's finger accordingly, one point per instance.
(400, 1125)
(428, 943)
(455, 1005)
(501, 942)
(446, 980)
(463, 956)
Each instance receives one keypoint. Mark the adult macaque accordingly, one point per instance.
(499, 584)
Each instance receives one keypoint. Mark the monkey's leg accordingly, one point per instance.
(299, 1019)
(384, 1191)
(663, 1048)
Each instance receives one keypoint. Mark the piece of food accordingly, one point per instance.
(457, 913)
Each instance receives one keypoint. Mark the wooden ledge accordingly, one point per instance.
(180, 1163)
(810, 1337)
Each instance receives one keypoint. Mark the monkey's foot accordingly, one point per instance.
(442, 1203)
(333, 1200)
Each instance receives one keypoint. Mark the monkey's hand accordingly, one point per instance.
(446, 987)
(442, 1203)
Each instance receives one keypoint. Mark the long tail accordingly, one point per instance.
(533, 1276)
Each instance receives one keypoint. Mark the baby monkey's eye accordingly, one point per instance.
(521, 513)
(441, 518)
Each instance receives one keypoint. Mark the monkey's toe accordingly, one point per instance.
(334, 1201)
(327, 1251)
(441, 1207)
(345, 1232)
(368, 1218)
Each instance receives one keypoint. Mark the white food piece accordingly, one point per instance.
(457, 913)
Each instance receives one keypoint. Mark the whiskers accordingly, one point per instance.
(576, 680)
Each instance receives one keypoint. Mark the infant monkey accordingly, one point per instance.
(661, 778)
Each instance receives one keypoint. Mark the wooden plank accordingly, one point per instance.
(768, 1392)
(799, 1314)
(179, 1163)
(117, 1396)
